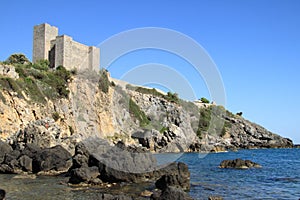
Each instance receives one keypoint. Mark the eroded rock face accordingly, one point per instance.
(88, 111)
(239, 164)
(8, 71)
(42, 133)
(245, 134)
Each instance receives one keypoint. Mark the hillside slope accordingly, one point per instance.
(49, 107)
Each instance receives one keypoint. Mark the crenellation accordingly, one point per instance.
(63, 50)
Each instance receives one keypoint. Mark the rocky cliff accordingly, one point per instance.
(91, 104)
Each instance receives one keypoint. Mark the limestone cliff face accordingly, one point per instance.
(88, 111)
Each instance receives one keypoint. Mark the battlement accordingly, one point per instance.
(63, 50)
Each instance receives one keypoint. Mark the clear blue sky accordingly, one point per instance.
(254, 43)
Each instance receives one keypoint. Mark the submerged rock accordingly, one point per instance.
(215, 198)
(239, 164)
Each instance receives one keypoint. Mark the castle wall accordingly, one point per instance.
(62, 50)
(42, 36)
(94, 58)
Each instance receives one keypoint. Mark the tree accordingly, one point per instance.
(239, 113)
(17, 59)
(204, 100)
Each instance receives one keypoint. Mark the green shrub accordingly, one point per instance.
(38, 81)
(239, 113)
(103, 81)
(172, 97)
(163, 129)
(55, 116)
(42, 65)
(137, 113)
(17, 59)
(212, 120)
(204, 121)
(204, 100)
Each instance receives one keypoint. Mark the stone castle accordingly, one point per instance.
(63, 50)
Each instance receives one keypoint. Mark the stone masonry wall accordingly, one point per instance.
(42, 36)
(62, 50)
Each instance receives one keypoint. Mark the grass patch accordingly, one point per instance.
(163, 129)
(172, 97)
(2, 97)
(37, 81)
(137, 113)
(212, 121)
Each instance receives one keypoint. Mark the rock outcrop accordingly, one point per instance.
(239, 164)
(115, 164)
(34, 159)
(8, 71)
(169, 126)
(171, 193)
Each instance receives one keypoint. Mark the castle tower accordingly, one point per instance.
(42, 36)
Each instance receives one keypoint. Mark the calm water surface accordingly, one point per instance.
(279, 178)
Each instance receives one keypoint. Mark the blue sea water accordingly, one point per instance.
(279, 177)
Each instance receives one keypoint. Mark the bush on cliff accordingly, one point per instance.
(211, 119)
(36, 81)
(137, 113)
(104, 81)
(204, 100)
(17, 59)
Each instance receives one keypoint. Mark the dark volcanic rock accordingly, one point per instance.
(171, 193)
(83, 174)
(238, 164)
(4, 149)
(175, 180)
(117, 164)
(34, 159)
(55, 158)
(25, 163)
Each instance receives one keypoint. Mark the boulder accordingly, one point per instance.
(180, 178)
(83, 174)
(34, 159)
(55, 158)
(118, 164)
(25, 163)
(239, 164)
(4, 149)
(171, 193)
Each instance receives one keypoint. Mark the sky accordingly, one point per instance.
(255, 45)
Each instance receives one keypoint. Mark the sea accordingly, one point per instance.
(279, 178)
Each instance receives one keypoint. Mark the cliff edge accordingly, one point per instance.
(48, 107)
